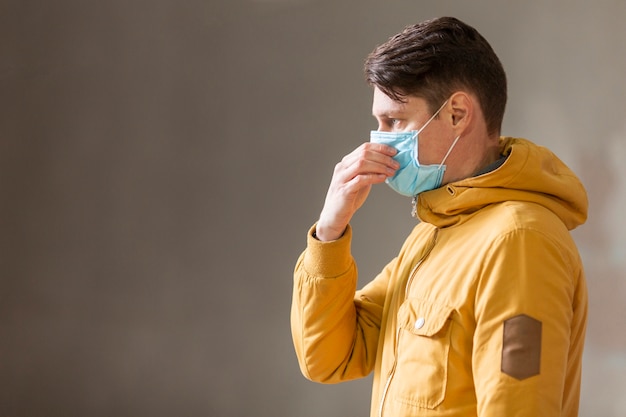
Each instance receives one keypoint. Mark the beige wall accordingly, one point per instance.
(161, 161)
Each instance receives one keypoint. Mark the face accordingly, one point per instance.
(392, 116)
(459, 117)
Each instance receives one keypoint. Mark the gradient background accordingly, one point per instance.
(162, 160)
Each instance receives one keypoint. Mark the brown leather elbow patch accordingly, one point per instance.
(521, 347)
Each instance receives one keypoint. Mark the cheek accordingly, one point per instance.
(433, 147)
(427, 154)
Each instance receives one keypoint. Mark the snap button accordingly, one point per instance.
(419, 323)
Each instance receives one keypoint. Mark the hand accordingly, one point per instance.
(370, 163)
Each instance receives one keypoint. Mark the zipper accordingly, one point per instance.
(392, 371)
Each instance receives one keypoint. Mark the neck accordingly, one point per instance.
(491, 157)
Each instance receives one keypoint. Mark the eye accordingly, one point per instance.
(394, 123)
(389, 123)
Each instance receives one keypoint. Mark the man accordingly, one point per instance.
(483, 311)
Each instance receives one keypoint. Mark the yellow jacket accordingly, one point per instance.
(483, 311)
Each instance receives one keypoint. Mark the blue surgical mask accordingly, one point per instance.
(412, 178)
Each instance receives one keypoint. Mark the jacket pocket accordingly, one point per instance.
(421, 374)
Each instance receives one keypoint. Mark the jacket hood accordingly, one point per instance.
(531, 173)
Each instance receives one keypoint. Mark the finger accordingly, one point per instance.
(364, 180)
(368, 161)
(381, 148)
(346, 172)
(372, 152)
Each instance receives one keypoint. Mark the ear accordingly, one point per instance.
(461, 109)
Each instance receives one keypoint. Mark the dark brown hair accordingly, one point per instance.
(435, 58)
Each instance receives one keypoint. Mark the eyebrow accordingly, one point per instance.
(390, 115)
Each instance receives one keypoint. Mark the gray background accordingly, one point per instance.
(161, 161)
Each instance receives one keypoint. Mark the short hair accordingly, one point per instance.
(435, 58)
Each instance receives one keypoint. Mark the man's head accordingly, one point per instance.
(435, 58)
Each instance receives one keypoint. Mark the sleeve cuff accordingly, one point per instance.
(328, 259)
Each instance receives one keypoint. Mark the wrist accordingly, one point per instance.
(326, 234)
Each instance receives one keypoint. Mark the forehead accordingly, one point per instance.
(383, 105)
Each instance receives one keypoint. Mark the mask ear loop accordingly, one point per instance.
(449, 150)
(417, 132)
(431, 118)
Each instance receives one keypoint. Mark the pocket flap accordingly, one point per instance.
(423, 317)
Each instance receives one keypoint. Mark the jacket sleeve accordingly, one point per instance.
(530, 312)
(334, 328)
